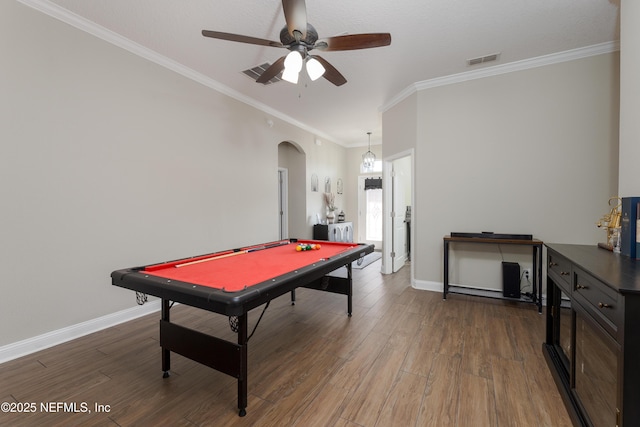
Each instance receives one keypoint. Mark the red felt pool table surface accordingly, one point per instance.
(233, 273)
(233, 283)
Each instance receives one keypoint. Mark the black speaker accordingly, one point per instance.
(320, 232)
(511, 279)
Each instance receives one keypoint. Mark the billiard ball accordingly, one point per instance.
(307, 247)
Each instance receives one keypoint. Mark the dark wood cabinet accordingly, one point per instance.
(592, 343)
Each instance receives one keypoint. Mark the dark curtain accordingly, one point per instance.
(372, 183)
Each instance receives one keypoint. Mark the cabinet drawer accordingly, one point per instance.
(559, 268)
(602, 301)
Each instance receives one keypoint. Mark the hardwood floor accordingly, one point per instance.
(405, 358)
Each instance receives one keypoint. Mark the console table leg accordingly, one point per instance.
(537, 275)
(445, 283)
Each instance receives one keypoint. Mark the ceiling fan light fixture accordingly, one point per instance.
(292, 67)
(298, 35)
(314, 68)
(290, 76)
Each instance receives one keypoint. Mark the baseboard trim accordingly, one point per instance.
(53, 338)
(426, 285)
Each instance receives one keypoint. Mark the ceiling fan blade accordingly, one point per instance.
(240, 38)
(295, 13)
(272, 71)
(330, 72)
(355, 41)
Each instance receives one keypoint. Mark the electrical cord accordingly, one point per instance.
(528, 284)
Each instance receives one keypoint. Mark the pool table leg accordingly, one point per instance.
(166, 354)
(350, 293)
(293, 297)
(242, 378)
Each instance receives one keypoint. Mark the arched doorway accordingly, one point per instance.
(292, 172)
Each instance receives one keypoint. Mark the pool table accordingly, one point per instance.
(232, 283)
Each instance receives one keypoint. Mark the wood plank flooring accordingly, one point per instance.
(405, 358)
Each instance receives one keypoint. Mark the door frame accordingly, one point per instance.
(387, 206)
(283, 202)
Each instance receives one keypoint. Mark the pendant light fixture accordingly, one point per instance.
(368, 158)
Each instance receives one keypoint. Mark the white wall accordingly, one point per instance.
(400, 126)
(109, 161)
(533, 151)
(629, 99)
(330, 163)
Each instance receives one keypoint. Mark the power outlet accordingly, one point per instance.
(526, 273)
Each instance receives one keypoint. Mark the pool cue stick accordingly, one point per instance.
(269, 246)
(198, 261)
(244, 251)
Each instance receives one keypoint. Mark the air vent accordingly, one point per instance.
(255, 72)
(483, 59)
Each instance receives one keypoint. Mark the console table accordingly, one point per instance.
(337, 232)
(536, 246)
(592, 344)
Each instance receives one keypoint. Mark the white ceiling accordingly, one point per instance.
(429, 39)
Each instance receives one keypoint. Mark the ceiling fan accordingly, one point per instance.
(300, 37)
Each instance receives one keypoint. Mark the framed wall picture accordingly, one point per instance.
(339, 186)
(314, 182)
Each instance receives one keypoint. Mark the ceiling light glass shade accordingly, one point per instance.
(292, 66)
(368, 160)
(314, 69)
(290, 76)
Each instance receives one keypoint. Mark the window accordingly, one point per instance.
(377, 167)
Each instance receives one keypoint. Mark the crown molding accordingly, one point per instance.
(61, 14)
(540, 61)
(87, 26)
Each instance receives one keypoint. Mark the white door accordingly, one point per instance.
(398, 181)
(369, 215)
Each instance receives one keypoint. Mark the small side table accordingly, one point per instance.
(536, 246)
